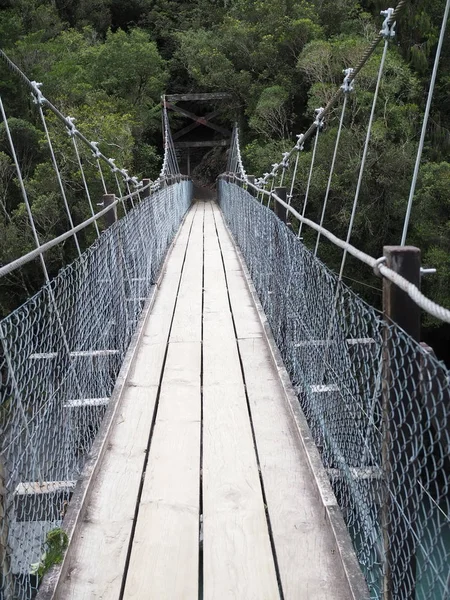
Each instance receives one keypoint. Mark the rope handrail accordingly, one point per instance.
(67, 121)
(168, 171)
(26, 258)
(432, 308)
(391, 17)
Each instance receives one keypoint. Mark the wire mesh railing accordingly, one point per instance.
(60, 354)
(376, 401)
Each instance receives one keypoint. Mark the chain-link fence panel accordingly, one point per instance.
(377, 404)
(60, 354)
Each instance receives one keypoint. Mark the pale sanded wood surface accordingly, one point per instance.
(165, 554)
(238, 560)
(307, 555)
(226, 481)
(97, 562)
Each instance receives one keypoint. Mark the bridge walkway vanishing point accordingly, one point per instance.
(205, 488)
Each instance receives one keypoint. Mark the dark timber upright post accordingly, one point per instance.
(251, 179)
(401, 426)
(111, 216)
(145, 183)
(280, 211)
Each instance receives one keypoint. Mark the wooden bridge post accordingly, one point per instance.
(111, 216)
(145, 183)
(250, 190)
(280, 211)
(400, 416)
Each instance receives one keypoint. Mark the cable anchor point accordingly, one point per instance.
(376, 268)
(427, 271)
(299, 144)
(348, 83)
(136, 183)
(388, 28)
(319, 121)
(95, 152)
(38, 97)
(71, 129)
(285, 162)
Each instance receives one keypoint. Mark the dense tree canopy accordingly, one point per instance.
(106, 63)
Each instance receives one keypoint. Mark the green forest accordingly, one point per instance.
(106, 63)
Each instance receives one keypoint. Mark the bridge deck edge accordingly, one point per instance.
(355, 578)
(80, 498)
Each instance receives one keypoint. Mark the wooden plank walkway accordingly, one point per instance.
(205, 489)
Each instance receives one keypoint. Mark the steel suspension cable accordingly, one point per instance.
(100, 170)
(364, 156)
(120, 191)
(36, 238)
(425, 124)
(330, 177)
(23, 190)
(299, 147)
(83, 177)
(294, 175)
(129, 192)
(319, 123)
(58, 176)
(390, 18)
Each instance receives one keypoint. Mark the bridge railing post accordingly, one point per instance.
(111, 216)
(250, 190)
(280, 211)
(145, 183)
(401, 416)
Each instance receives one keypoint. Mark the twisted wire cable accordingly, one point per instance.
(425, 123)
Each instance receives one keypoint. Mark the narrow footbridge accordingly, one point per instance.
(205, 485)
(196, 407)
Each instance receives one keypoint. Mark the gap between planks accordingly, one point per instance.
(97, 562)
(164, 554)
(307, 556)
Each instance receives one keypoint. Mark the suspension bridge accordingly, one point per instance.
(197, 407)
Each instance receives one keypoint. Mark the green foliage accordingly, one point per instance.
(27, 143)
(106, 63)
(270, 118)
(55, 545)
(128, 66)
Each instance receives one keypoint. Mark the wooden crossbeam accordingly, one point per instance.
(198, 97)
(206, 144)
(28, 488)
(349, 341)
(362, 341)
(199, 120)
(82, 402)
(357, 473)
(197, 123)
(79, 354)
(321, 389)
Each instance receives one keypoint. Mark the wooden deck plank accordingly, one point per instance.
(187, 321)
(165, 551)
(97, 563)
(302, 539)
(307, 556)
(238, 561)
(164, 558)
